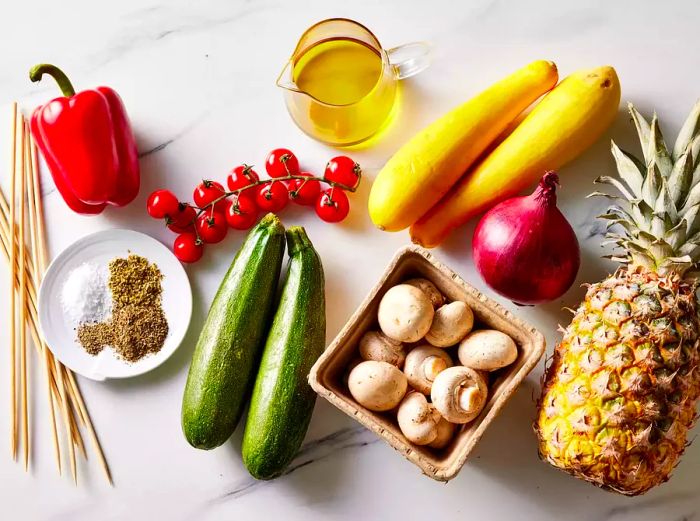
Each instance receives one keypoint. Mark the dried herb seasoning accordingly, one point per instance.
(138, 326)
(134, 281)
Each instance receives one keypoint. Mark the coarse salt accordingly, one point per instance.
(85, 296)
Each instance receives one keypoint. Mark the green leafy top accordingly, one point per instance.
(657, 220)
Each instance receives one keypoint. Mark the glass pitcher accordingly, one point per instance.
(340, 84)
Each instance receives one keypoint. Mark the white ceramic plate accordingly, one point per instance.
(100, 248)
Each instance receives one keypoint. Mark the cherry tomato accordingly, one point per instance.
(241, 214)
(212, 227)
(208, 191)
(188, 248)
(242, 175)
(332, 205)
(304, 192)
(281, 162)
(344, 171)
(161, 204)
(183, 220)
(272, 197)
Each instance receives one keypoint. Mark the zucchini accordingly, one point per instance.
(283, 401)
(228, 348)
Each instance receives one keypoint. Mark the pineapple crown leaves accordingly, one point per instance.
(656, 218)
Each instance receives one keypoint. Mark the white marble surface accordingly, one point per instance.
(198, 81)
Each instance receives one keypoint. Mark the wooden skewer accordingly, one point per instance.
(32, 300)
(77, 437)
(72, 393)
(57, 385)
(47, 363)
(66, 409)
(4, 235)
(56, 366)
(24, 413)
(31, 303)
(13, 274)
(66, 418)
(91, 430)
(39, 208)
(72, 389)
(26, 271)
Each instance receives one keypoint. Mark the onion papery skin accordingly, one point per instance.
(525, 249)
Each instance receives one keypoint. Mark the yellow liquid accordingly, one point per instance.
(348, 78)
(338, 72)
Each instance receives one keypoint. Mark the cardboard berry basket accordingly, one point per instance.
(328, 376)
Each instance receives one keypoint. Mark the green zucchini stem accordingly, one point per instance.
(297, 239)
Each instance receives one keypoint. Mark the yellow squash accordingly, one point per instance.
(565, 123)
(426, 167)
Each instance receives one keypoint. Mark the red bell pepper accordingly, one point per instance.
(87, 142)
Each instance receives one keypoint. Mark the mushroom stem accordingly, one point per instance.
(459, 393)
(468, 398)
(432, 366)
(423, 364)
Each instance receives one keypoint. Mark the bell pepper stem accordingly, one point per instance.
(36, 72)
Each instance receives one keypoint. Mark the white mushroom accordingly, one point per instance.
(405, 313)
(352, 365)
(445, 431)
(487, 350)
(451, 324)
(418, 419)
(375, 345)
(429, 289)
(378, 386)
(423, 364)
(459, 393)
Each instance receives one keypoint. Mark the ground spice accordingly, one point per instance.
(138, 331)
(138, 326)
(94, 337)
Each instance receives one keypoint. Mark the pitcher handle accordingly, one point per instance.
(409, 59)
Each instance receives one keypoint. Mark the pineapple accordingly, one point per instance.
(620, 392)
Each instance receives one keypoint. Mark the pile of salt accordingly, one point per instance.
(85, 296)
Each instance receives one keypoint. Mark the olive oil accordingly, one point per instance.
(349, 79)
(339, 71)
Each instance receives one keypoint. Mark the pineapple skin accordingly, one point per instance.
(620, 392)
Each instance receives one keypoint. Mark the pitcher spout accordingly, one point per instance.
(286, 79)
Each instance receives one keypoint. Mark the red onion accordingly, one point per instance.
(524, 247)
